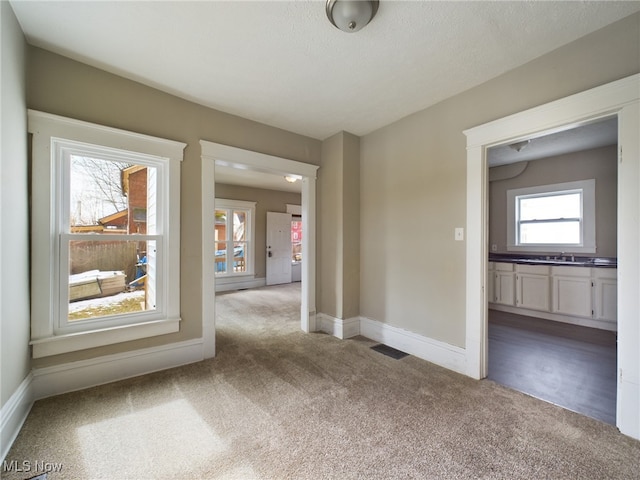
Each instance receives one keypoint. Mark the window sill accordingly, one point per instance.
(55, 345)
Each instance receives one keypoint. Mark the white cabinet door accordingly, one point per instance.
(606, 299)
(532, 291)
(491, 283)
(572, 296)
(504, 288)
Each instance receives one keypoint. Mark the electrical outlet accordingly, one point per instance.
(494, 247)
(459, 234)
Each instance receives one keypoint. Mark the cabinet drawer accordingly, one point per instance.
(611, 273)
(503, 267)
(533, 269)
(571, 271)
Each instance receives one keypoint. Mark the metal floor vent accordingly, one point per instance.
(389, 351)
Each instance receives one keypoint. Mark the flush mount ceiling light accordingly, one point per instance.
(291, 178)
(519, 145)
(351, 15)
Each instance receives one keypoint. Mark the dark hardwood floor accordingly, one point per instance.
(568, 365)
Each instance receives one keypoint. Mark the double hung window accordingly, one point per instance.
(106, 232)
(558, 217)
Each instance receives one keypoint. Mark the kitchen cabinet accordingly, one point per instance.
(532, 287)
(491, 274)
(579, 295)
(572, 291)
(504, 286)
(605, 287)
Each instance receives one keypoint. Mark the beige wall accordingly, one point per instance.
(600, 164)
(351, 227)
(412, 176)
(329, 228)
(413, 182)
(267, 201)
(14, 210)
(338, 239)
(58, 85)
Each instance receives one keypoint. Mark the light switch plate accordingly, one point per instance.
(459, 234)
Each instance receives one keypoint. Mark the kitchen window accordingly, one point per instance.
(552, 218)
(105, 228)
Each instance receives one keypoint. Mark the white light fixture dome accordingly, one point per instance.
(351, 15)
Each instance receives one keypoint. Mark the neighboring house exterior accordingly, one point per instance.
(134, 187)
(132, 220)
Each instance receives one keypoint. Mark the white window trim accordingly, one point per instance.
(588, 235)
(46, 338)
(223, 203)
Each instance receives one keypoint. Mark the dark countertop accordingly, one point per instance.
(555, 260)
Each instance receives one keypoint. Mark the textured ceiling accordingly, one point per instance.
(283, 64)
(584, 137)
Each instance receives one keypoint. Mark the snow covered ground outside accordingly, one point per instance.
(94, 303)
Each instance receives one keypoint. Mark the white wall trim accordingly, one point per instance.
(556, 317)
(209, 284)
(434, 351)
(72, 342)
(620, 98)
(337, 327)
(228, 156)
(229, 284)
(69, 377)
(13, 414)
(294, 209)
(224, 155)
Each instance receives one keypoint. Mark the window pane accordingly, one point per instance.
(239, 223)
(550, 206)
(109, 278)
(221, 257)
(550, 233)
(108, 196)
(239, 257)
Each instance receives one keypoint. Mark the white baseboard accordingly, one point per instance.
(628, 411)
(582, 321)
(227, 285)
(337, 327)
(434, 351)
(69, 377)
(13, 414)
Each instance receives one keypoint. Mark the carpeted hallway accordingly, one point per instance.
(278, 404)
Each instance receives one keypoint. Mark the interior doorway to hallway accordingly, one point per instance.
(243, 160)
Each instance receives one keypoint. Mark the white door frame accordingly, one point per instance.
(620, 98)
(217, 154)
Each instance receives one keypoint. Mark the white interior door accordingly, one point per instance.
(278, 248)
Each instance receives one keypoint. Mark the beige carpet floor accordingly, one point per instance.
(278, 404)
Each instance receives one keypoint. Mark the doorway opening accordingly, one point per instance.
(551, 293)
(621, 99)
(217, 155)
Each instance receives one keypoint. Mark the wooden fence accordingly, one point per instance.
(105, 256)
